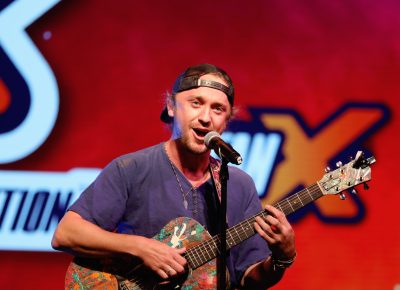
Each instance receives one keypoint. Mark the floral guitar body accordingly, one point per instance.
(178, 233)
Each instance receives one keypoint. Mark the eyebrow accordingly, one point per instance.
(202, 97)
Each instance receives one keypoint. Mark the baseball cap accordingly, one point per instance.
(190, 79)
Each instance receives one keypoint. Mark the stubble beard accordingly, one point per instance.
(191, 146)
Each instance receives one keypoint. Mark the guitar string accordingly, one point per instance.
(232, 231)
(313, 191)
(307, 195)
(288, 208)
(206, 247)
(291, 205)
(211, 244)
(248, 230)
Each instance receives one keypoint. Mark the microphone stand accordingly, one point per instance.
(221, 262)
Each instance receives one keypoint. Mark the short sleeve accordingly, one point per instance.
(103, 202)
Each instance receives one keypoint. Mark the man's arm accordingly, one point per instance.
(262, 275)
(278, 233)
(80, 237)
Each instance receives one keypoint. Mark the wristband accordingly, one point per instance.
(282, 264)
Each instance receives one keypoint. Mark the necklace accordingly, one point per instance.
(192, 189)
(185, 195)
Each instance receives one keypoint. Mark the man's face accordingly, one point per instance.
(197, 112)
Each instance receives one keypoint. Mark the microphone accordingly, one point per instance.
(224, 150)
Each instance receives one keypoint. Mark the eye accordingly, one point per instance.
(196, 103)
(219, 109)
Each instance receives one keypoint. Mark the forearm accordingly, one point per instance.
(262, 275)
(80, 237)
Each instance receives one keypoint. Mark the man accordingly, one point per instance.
(136, 195)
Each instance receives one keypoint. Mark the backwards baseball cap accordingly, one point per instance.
(190, 79)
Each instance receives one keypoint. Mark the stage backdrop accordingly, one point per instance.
(82, 82)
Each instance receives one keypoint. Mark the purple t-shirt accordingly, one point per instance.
(139, 194)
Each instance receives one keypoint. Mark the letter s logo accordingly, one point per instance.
(30, 104)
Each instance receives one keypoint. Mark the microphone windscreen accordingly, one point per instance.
(209, 136)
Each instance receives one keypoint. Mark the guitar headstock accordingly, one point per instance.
(347, 176)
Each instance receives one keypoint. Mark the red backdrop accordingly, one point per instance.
(114, 62)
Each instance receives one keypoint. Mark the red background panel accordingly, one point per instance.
(115, 61)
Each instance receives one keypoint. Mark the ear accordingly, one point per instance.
(170, 107)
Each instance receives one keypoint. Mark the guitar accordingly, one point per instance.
(202, 249)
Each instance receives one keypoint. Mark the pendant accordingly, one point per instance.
(185, 204)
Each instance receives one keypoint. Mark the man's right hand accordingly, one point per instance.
(167, 262)
(76, 235)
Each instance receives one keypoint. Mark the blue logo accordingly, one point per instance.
(29, 85)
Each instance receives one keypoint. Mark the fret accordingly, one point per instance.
(278, 205)
(309, 194)
(241, 230)
(195, 261)
(188, 257)
(230, 243)
(283, 207)
(297, 195)
(196, 257)
(207, 248)
(288, 201)
(218, 241)
(248, 229)
(202, 256)
(237, 234)
(230, 240)
(216, 251)
(317, 191)
(294, 201)
(203, 249)
(241, 234)
(213, 249)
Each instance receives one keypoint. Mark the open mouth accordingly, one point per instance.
(200, 133)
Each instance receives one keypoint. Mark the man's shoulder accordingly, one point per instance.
(144, 155)
(241, 181)
(238, 173)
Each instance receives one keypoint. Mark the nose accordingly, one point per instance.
(204, 116)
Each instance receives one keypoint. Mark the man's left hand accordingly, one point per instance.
(276, 230)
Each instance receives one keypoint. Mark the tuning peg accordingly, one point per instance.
(339, 164)
(327, 169)
(353, 191)
(342, 196)
(366, 186)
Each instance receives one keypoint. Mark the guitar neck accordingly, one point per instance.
(208, 250)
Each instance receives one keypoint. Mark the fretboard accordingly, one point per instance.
(208, 250)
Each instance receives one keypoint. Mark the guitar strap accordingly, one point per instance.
(215, 168)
